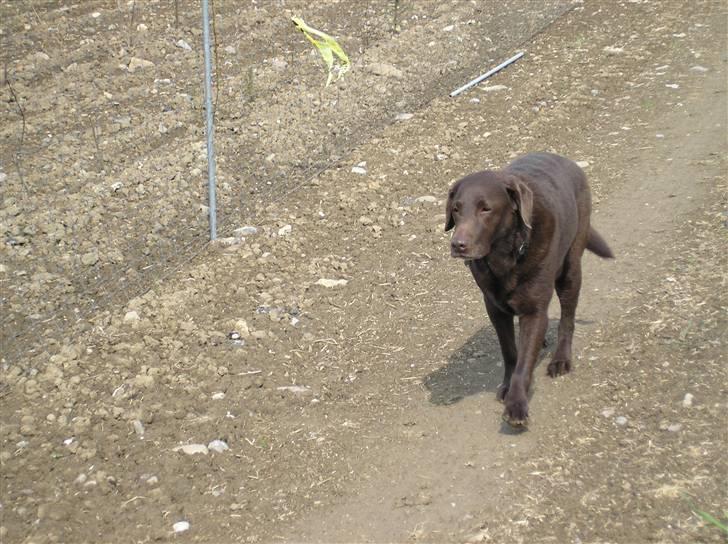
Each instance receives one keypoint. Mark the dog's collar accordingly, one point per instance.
(523, 247)
(522, 250)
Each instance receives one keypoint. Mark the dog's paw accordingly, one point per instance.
(516, 413)
(557, 367)
(501, 392)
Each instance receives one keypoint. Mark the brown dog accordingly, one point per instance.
(522, 232)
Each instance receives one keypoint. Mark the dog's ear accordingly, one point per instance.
(449, 221)
(521, 198)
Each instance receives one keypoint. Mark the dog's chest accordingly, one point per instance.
(498, 289)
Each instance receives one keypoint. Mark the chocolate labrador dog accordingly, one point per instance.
(522, 231)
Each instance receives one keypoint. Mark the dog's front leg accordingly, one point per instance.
(503, 323)
(532, 330)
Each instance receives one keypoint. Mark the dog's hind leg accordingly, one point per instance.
(568, 286)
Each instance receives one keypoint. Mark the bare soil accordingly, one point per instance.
(363, 412)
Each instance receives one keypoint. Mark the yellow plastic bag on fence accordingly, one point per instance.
(327, 47)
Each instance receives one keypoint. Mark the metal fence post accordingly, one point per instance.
(210, 124)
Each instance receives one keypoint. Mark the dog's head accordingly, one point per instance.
(483, 208)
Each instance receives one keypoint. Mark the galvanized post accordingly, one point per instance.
(210, 124)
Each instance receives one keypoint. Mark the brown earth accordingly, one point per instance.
(363, 412)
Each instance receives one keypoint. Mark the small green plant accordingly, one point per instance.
(327, 47)
(249, 85)
(709, 518)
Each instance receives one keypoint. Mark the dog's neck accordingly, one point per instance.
(509, 250)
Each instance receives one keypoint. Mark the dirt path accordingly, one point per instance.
(365, 412)
(453, 476)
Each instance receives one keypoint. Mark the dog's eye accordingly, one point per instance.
(456, 208)
(484, 209)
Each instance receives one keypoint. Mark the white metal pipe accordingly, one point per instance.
(212, 199)
(486, 75)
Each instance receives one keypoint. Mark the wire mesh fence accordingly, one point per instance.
(103, 167)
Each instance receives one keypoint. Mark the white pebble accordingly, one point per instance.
(218, 446)
(621, 420)
(138, 427)
(608, 412)
(494, 88)
(688, 400)
(183, 45)
(325, 282)
(181, 526)
(285, 230)
(192, 449)
(672, 85)
(675, 427)
(131, 316)
(359, 170)
(218, 396)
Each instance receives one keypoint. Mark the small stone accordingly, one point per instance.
(687, 401)
(366, 221)
(138, 64)
(674, 427)
(621, 420)
(144, 381)
(81, 424)
(427, 199)
(672, 85)
(448, 28)
(285, 230)
(218, 396)
(582, 164)
(181, 526)
(494, 88)
(404, 116)
(229, 49)
(192, 449)
(241, 327)
(183, 45)
(131, 317)
(699, 69)
(218, 446)
(138, 428)
(608, 412)
(612, 50)
(245, 231)
(90, 258)
(324, 282)
(141, 27)
(279, 64)
(359, 170)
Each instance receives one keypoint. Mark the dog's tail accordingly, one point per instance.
(596, 244)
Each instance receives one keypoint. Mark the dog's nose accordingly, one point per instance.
(458, 245)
